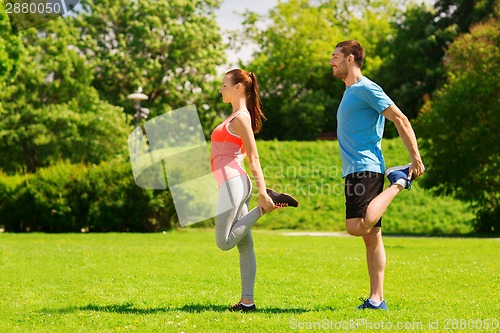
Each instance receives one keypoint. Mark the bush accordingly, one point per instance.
(105, 198)
(12, 201)
(459, 127)
(72, 198)
(118, 204)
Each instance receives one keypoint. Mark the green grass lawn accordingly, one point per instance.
(181, 282)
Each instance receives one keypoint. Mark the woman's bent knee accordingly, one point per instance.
(224, 245)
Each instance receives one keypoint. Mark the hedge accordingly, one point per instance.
(76, 197)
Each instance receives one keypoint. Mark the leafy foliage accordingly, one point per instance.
(416, 53)
(73, 197)
(170, 48)
(67, 197)
(49, 110)
(414, 68)
(68, 79)
(10, 47)
(464, 13)
(460, 126)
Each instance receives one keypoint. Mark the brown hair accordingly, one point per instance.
(253, 103)
(352, 47)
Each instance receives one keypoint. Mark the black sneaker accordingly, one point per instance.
(282, 199)
(238, 307)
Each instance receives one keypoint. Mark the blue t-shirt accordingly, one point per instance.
(360, 126)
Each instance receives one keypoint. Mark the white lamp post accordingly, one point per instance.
(137, 97)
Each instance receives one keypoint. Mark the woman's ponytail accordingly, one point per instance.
(253, 102)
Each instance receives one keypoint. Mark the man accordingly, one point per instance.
(361, 117)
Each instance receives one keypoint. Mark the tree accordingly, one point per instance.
(170, 48)
(459, 126)
(463, 13)
(299, 93)
(414, 69)
(76, 72)
(10, 47)
(49, 110)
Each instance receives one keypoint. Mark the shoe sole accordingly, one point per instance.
(291, 196)
(401, 167)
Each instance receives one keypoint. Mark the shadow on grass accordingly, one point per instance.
(129, 308)
(224, 308)
(440, 234)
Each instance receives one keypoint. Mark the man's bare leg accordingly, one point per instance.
(375, 257)
(361, 226)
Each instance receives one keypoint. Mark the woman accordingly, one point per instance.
(231, 142)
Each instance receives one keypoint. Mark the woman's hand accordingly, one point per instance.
(265, 203)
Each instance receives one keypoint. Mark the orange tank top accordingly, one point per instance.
(227, 152)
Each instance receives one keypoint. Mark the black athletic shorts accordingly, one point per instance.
(360, 189)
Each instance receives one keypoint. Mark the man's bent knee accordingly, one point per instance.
(355, 227)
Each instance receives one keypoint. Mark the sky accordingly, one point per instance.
(228, 19)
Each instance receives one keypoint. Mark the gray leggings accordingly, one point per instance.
(232, 227)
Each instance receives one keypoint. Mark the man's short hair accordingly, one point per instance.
(352, 47)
